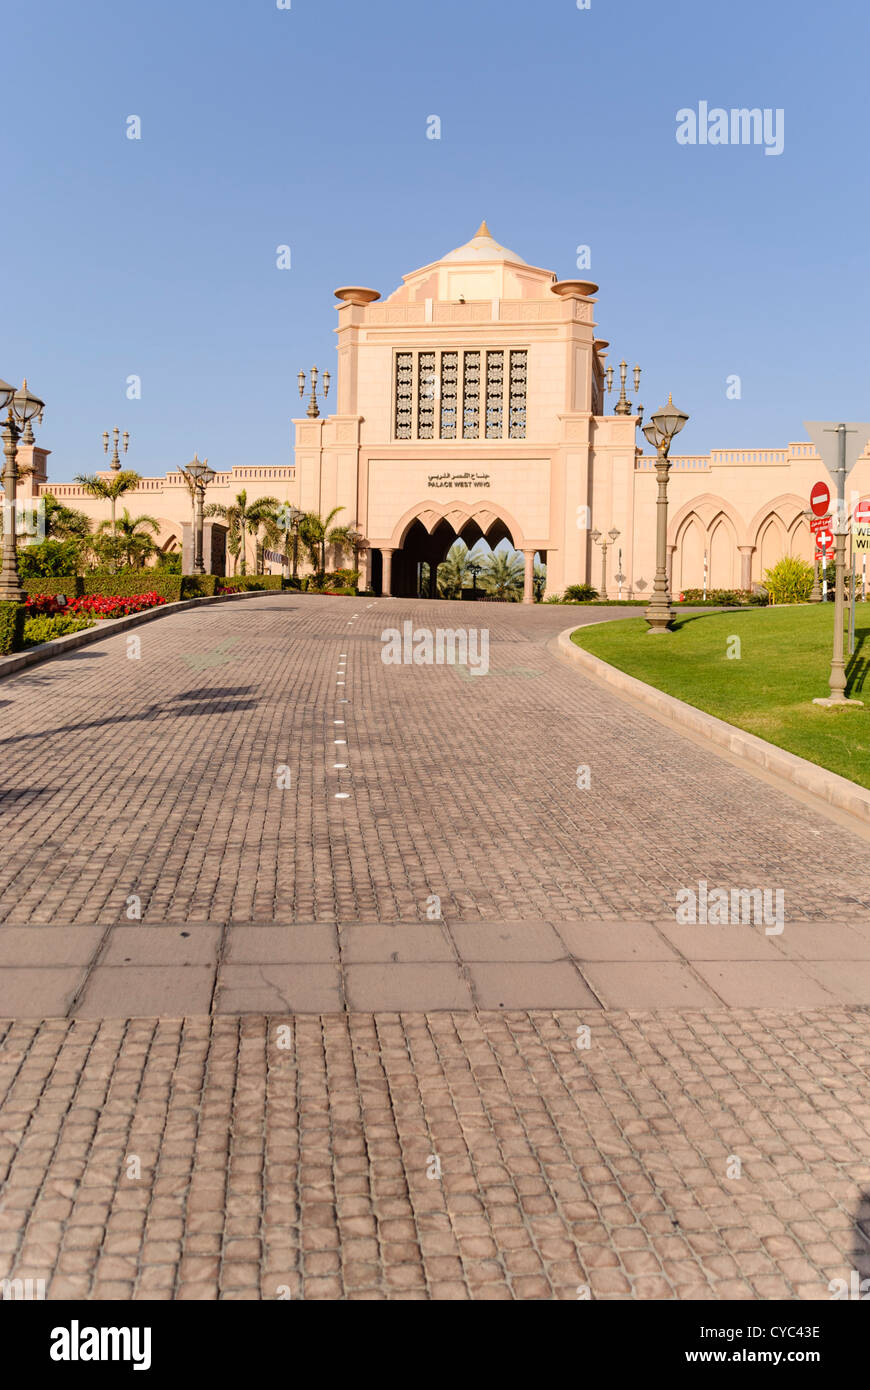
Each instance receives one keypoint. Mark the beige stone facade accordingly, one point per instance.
(471, 402)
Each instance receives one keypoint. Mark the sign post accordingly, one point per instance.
(839, 446)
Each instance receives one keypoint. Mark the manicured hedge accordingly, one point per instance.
(199, 585)
(144, 581)
(171, 587)
(11, 627)
(71, 585)
(244, 582)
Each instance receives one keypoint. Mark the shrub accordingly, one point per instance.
(722, 598)
(790, 580)
(343, 579)
(44, 628)
(292, 583)
(580, 593)
(11, 627)
(50, 558)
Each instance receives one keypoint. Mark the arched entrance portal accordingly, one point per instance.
(426, 535)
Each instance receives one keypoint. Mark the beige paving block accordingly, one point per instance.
(764, 984)
(507, 941)
(146, 991)
(30, 992)
(647, 985)
(144, 945)
(824, 941)
(270, 989)
(282, 945)
(407, 987)
(846, 980)
(614, 941)
(704, 941)
(54, 946)
(396, 943)
(530, 985)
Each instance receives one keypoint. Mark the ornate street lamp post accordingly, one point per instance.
(22, 408)
(116, 461)
(663, 425)
(475, 571)
(200, 475)
(289, 518)
(623, 405)
(313, 411)
(604, 543)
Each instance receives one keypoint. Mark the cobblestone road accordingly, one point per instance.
(303, 1171)
(161, 1136)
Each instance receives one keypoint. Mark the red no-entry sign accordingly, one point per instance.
(862, 512)
(820, 499)
(825, 542)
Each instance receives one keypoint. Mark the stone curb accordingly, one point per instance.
(58, 646)
(824, 786)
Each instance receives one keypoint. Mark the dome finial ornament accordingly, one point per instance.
(483, 230)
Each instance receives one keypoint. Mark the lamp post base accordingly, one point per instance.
(659, 620)
(838, 702)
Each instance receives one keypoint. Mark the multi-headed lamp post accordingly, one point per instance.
(604, 543)
(313, 410)
(22, 407)
(664, 424)
(115, 465)
(200, 475)
(623, 405)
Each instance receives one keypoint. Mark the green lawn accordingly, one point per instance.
(784, 662)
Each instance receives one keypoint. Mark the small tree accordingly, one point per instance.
(109, 489)
(243, 520)
(790, 580)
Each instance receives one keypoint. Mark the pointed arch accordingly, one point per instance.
(787, 506)
(707, 506)
(488, 516)
(689, 555)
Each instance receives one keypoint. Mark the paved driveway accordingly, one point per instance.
(247, 809)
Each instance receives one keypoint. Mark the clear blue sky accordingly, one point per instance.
(307, 127)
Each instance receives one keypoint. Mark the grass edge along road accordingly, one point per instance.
(756, 668)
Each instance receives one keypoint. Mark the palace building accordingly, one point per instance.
(471, 403)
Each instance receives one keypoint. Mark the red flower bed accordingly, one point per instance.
(44, 605)
(114, 605)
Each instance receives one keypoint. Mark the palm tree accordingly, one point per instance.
(242, 520)
(503, 574)
(62, 522)
(133, 543)
(315, 534)
(453, 571)
(109, 490)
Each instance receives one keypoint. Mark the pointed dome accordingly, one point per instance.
(483, 247)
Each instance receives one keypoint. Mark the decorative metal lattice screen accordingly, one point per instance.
(443, 395)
